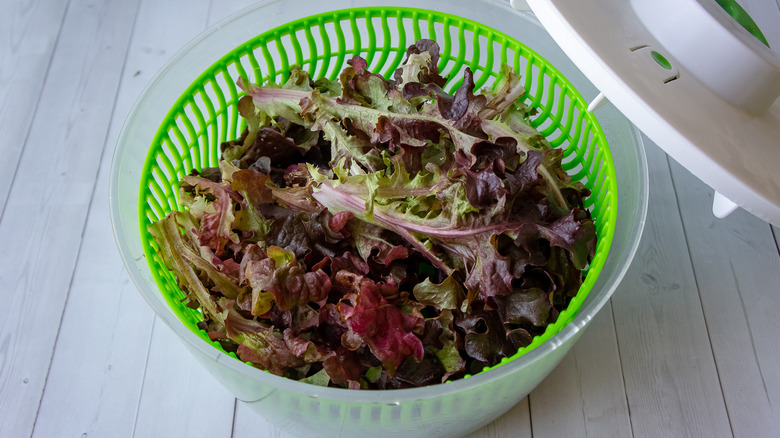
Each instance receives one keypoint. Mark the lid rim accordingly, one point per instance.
(738, 167)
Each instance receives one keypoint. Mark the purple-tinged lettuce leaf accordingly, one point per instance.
(303, 349)
(575, 233)
(177, 255)
(259, 274)
(342, 367)
(301, 231)
(421, 65)
(557, 180)
(485, 336)
(216, 229)
(503, 95)
(361, 87)
(414, 373)
(519, 338)
(269, 142)
(489, 273)
(236, 324)
(526, 176)
(564, 273)
(338, 221)
(348, 261)
(252, 185)
(526, 308)
(485, 188)
(352, 149)
(386, 330)
(380, 234)
(268, 349)
(463, 108)
(296, 198)
(371, 243)
(502, 150)
(218, 281)
(304, 318)
(289, 283)
(460, 123)
(298, 82)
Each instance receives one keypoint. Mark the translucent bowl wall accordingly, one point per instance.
(446, 410)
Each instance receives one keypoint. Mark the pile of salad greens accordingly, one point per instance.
(379, 234)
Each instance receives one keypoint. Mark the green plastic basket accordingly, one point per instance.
(206, 115)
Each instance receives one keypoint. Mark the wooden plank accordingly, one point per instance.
(221, 9)
(95, 379)
(101, 352)
(47, 205)
(776, 234)
(738, 271)
(585, 396)
(179, 398)
(247, 422)
(671, 381)
(28, 33)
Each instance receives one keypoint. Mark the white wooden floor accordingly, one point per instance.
(688, 346)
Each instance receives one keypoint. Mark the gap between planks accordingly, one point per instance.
(737, 268)
(49, 201)
(24, 71)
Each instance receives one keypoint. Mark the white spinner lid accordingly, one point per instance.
(692, 78)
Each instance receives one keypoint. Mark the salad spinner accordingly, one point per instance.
(562, 49)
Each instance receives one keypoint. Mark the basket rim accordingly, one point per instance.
(496, 372)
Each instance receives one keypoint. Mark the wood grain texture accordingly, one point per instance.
(672, 385)
(28, 33)
(98, 366)
(738, 273)
(47, 206)
(221, 9)
(585, 396)
(776, 235)
(95, 379)
(692, 329)
(180, 399)
(248, 423)
(514, 423)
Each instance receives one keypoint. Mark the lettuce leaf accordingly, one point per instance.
(380, 233)
(386, 330)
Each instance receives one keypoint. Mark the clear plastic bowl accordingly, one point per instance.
(446, 410)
